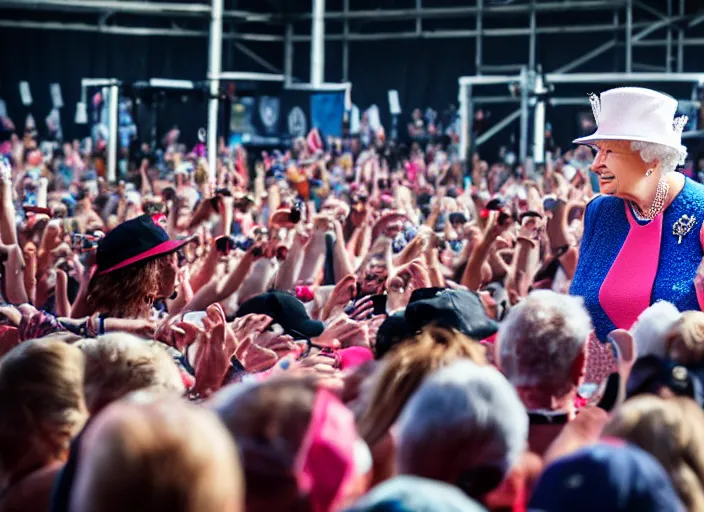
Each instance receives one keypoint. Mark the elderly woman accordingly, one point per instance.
(41, 399)
(641, 240)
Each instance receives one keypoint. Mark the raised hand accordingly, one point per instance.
(342, 294)
(404, 281)
(213, 352)
(344, 332)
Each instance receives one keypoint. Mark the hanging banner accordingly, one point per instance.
(327, 112)
(25, 94)
(57, 100)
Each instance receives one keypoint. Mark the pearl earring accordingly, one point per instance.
(648, 172)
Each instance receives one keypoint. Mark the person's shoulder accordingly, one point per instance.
(602, 204)
(694, 186)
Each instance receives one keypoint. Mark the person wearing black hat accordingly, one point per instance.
(136, 265)
(287, 311)
(455, 309)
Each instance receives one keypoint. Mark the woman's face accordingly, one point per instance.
(620, 169)
(167, 275)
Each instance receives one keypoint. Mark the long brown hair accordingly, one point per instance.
(403, 372)
(128, 292)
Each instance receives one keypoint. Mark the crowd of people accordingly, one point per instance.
(349, 327)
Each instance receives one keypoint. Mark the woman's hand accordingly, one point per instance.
(342, 294)
(403, 282)
(344, 332)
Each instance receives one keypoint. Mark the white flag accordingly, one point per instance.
(25, 94)
(56, 99)
(81, 113)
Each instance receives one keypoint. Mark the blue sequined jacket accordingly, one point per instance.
(606, 227)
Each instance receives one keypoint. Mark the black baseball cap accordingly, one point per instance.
(134, 241)
(456, 309)
(286, 310)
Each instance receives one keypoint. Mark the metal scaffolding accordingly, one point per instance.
(666, 24)
(532, 102)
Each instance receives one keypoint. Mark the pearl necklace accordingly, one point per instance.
(658, 202)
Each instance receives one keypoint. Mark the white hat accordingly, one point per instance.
(637, 114)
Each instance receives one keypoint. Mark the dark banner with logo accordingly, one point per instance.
(285, 117)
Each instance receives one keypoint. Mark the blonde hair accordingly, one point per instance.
(670, 430)
(119, 363)
(405, 369)
(41, 401)
(685, 340)
(164, 455)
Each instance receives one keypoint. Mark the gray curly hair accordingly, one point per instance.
(651, 152)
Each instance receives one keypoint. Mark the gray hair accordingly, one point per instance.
(668, 157)
(651, 329)
(462, 409)
(541, 337)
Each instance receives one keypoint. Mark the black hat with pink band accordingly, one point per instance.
(135, 241)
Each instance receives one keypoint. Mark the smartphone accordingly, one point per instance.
(457, 218)
(63, 264)
(609, 398)
(224, 244)
(296, 213)
(84, 243)
(28, 208)
(194, 317)
(503, 218)
(379, 302)
(169, 193)
(243, 243)
(550, 204)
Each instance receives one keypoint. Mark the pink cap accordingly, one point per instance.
(325, 463)
(354, 356)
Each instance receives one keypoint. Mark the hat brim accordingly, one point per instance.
(590, 140)
(309, 328)
(162, 249)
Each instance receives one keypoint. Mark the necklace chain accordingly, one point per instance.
(658, 202)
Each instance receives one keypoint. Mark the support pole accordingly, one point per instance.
(478, 47)
(419, 20)
(464, 121)
(214, 68)
(680, 43)
(629, 34)
(346, 42)
(288, 55)
(539, 122)
(317, 44)
(532, 41)
(668, 50)
(113, 115)
(472, 146)
(525, 114)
